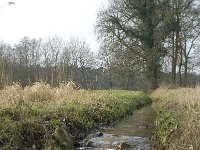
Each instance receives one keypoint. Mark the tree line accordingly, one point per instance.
(52, 61)
(143, 43)
(56, 61)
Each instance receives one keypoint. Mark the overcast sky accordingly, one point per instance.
(43, 18)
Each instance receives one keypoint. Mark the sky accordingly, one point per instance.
(44, 18)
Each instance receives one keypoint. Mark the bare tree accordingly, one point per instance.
(51, 50)
(80, 57)
(185, 32)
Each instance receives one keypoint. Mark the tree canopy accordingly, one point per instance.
(140, 28)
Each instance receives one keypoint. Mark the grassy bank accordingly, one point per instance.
(30, 115)
(178, 118)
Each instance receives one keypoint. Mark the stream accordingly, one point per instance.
(132, 133)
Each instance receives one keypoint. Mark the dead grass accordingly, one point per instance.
(30, 115)
(178, 117)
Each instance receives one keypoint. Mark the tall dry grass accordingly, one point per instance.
(29, 116)
(178, 117)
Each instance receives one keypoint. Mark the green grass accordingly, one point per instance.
(178, 118)
(29, 116)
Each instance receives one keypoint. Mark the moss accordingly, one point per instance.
(32, 134)
(8, 129)
(63, 139)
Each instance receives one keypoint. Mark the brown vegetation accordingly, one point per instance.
(178, 117)
(30, 115)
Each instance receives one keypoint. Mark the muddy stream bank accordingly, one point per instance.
(132, 133)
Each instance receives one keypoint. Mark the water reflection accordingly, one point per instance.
(134, 132)
(141, 124)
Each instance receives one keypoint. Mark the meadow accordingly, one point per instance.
(178, 118)
(30, 115)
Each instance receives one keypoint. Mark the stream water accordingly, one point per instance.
(133, 133)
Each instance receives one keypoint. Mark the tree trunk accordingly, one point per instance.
(52, 76)
(152, 74)
(176, 34)
(175, 57)
(185, 64)
(152, 59)
(180, 67)
(185, 72)
(173, 60)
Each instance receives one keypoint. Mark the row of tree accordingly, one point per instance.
(157, 40)
(52, 61)
(148, 36)
(55, 61)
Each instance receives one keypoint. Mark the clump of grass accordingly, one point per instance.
(178, 117)
(40, 92)
(11, 95)
(29, 116)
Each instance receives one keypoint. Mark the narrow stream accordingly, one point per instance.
(133, 133)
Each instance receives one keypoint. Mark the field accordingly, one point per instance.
(178, 119)
(30, 115)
